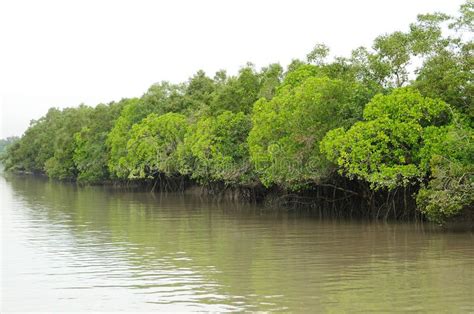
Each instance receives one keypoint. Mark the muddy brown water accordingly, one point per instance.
(70, 248)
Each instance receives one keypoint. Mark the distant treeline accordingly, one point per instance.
(4, 143)
(369, 118)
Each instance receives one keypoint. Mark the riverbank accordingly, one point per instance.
(349, 200)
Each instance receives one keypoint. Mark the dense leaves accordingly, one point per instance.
(388, 149)
(296, 128)
(159, 99)
(451, 188)
(284, 142)
(90, 153)
(152, 147)
(215, 149)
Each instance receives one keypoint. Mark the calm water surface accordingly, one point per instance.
(93, 248)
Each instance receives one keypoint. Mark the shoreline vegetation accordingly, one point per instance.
(363, 135)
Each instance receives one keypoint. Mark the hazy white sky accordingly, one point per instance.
(63, 53)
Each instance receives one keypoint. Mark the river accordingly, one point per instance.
(69, 248)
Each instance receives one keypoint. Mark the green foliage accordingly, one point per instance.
(286, 131)
(237, 94)
(6, 147)
(90, 153)
(152, 147)
(388, 63)
(48, 144)
(117, 138)
(465, 20)
(392, 146)
(408, 105)
(318, 54)
(367, 69)
(285, 128)
(270, 79)
(300, 73)
(160, 98)
(448, 75)
(446, 72)
(215, 150)
(35, 146)
(200, 92)
(4, 143)
(392, 58)
(61, 164)
(451, 188)
(426, 35)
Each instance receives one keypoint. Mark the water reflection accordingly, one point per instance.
(95, 248)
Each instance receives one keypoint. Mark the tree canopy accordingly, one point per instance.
(391, 147)
(284, 140)
(394, 116)
(153, 143)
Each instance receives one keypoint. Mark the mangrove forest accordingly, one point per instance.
(385, 132)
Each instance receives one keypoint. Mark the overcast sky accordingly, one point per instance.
(63, 53)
